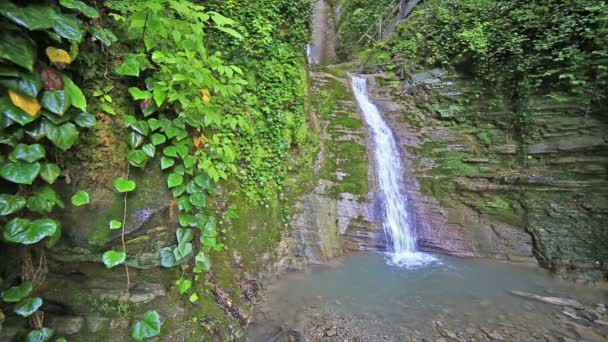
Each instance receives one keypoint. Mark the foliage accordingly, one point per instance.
(553, 47)
(42, 112)
(148, 327)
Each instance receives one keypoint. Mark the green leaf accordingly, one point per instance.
(158, 139)
(182, 252)
(80, 7)
(149, 150)
(170, 151)
(68, 27)
(148, 327)
(17, 293)
(39, 335)
(80, 198)
(44, 200)
(137, 158)
(9, 110)
(167, 258)
(198, 199)
(138, 94)
(203, 263)
(166, 163)
(174, 180)
(184, 285)
(141, 127)
(61, 339)
(193, 297)
(189, 161)
(230, 31)
(34, 17)
(74, 94)
(85, 120)
(28, 306)
(10, 204)
(108, 109)
(26, 232)
(20, 173)
(124, 185)
(115, 224)
(105, 36)
(17, 48)
(131, 66)
(63, 136)
(56, 101)
(135, 139)
(184, 235)
(57, 119)
(27, 83)
(182, 150)
(154, 124)
(159, 94)
(186, 221)
(27, 153)
(50, 173)
(112, 258)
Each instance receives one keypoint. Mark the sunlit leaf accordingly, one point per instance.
(26, 103)
(113, 258)
(57, 55)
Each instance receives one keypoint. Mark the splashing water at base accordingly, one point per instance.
(389, 168)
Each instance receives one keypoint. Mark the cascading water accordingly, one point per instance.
(389, 168)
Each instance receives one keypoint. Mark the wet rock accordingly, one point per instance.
(96, 323)
(66, 325)
(330, 332)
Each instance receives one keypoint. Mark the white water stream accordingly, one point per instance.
(389, 168)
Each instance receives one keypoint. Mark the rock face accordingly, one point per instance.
(335, 212)
(478, 191)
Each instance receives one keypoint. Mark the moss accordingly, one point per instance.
(441, 188)
(351, 123)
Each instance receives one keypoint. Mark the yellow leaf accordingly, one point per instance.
(27, 103)
(58, 55)
(205, 95)
(199, 142)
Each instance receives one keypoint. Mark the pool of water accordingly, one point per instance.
(391, 303)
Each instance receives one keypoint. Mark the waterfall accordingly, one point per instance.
(390, 169)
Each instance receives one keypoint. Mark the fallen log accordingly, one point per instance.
(550, 300)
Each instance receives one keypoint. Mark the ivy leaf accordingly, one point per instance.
(63, 136)
(159, 94)
(20, 173)
(108, 109)
(39, 335)
(178, 190)
(203, 263)
(112, 258)
(184, 285)
(56, 101)
(131, 66)
(135, 139)
(75, 95)
(80, 198)
(10, 204)
(182, 252)
(184, 235)
(198, 199)
(115, 224)
(154, 124)
(44, 200)
(141, 127)
(158, 139)
(124, 185)
(9, 110)
(57, 119)
(27, 83)
(34, 17)
(138, 94)
(17, 293)
(59, 57)
(170, 151)
(28, 306)
(26, 232)
(174, 180)
(193, 297)
(149, 150)
(186, 221)
(17, 48)
(28, 104)
(85, 120)
(27, 153)
(105, 36)
(81, 7)
(67, 26)
(167, 258)
(50, 173)
(148, 327)
(137, 158)
(189, 161)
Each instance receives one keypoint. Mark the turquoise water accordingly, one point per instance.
(391, 302)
